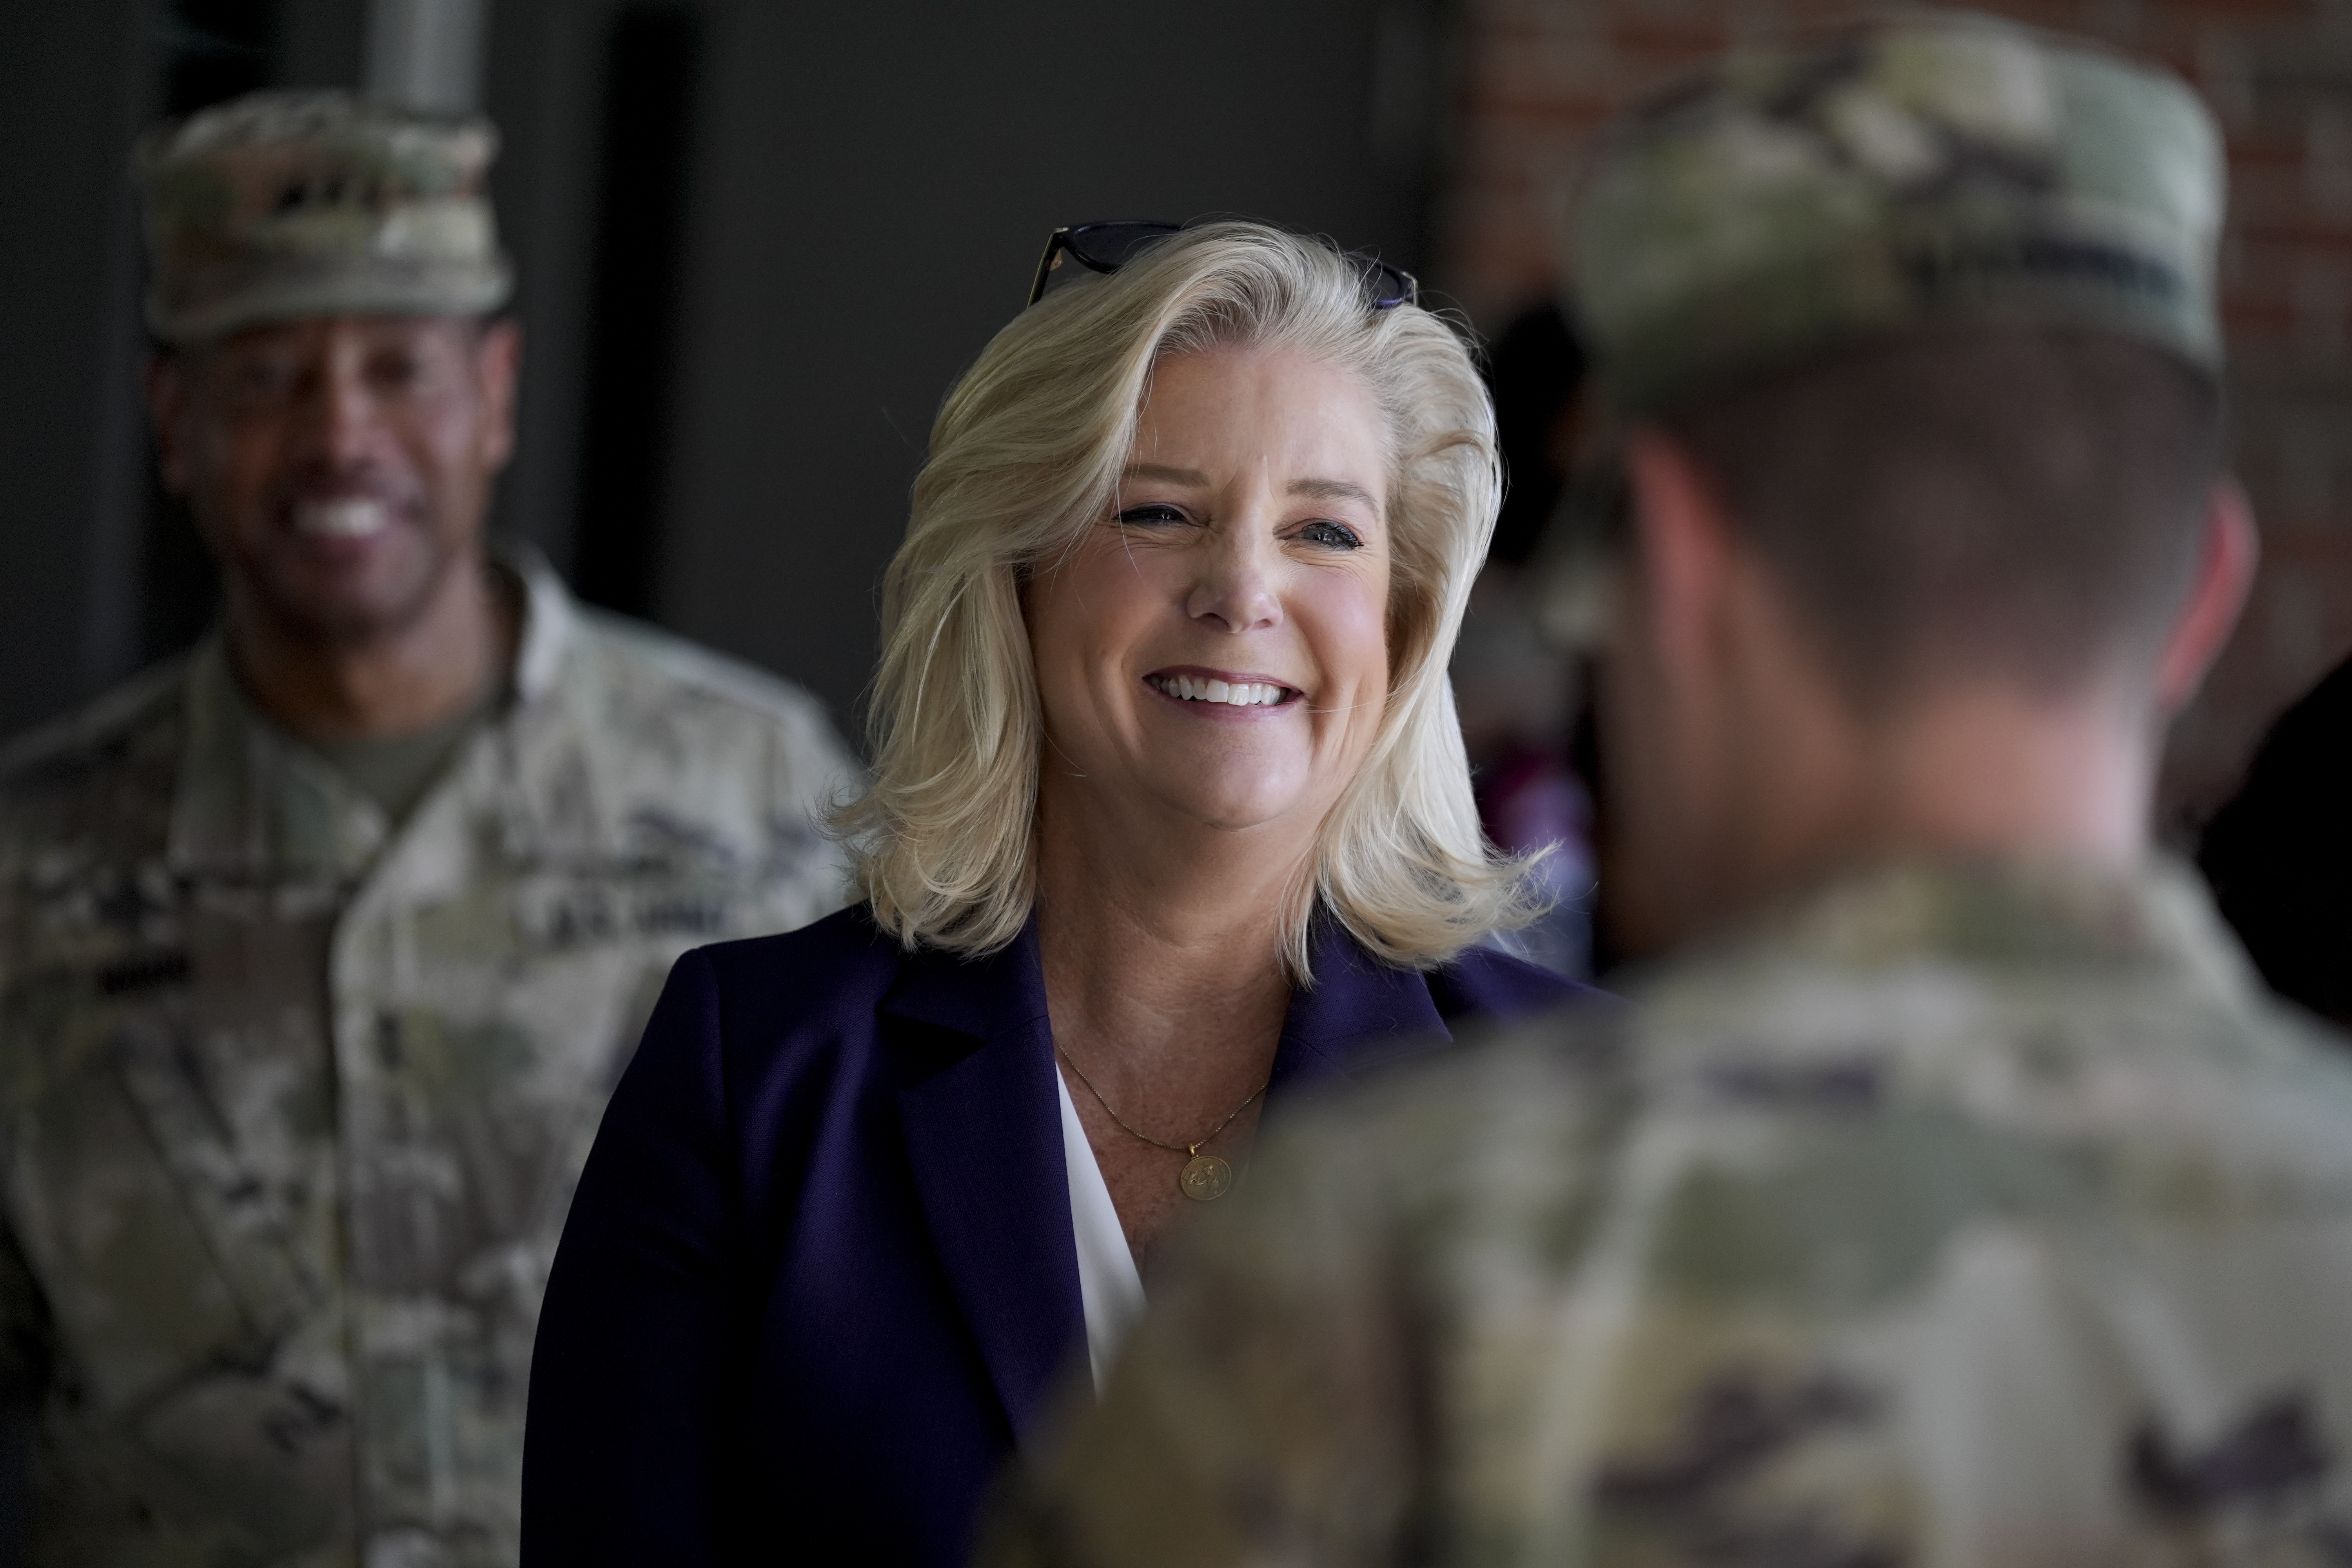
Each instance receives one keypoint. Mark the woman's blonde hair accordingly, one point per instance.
(1027, 456)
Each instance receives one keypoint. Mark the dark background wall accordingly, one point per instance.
(757, 242)
(73, 81)
(878, 182)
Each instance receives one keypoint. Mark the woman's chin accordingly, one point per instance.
(1245, 810)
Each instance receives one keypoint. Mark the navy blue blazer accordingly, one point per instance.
(819, 1275)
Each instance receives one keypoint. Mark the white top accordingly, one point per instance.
(1108, 1285)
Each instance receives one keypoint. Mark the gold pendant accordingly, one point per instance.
(1204, 1178)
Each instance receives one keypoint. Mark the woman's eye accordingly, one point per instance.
(1153, 515)
(1337, 535)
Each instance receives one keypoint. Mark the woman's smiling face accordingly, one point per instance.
(1217, 647)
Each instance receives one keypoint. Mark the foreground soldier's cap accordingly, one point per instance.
(281, 205)
(1946, 169)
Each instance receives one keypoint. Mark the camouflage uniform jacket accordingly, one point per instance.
(1965, 1218)
(291, 1104)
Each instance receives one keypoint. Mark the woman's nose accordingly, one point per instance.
(1236, 581)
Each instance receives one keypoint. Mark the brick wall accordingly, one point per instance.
(1541, 74)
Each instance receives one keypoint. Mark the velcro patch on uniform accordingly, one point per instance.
(144, 972)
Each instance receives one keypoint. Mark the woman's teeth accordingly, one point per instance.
(1238, 694)
(356, 517)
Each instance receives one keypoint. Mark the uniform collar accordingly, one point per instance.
(251, 800)
(551, 620)
(2022, 916)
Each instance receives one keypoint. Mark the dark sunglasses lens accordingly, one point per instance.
(1391, 286)
(1108, 246)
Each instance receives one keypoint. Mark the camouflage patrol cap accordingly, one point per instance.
(304, 204)
(1945, 168)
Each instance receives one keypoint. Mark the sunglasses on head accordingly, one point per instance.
(1106, 247)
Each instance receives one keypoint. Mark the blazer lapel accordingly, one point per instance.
(1361, 1012)
(982, 1122)
(983, 1127)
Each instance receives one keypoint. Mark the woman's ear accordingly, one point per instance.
(2227, 555)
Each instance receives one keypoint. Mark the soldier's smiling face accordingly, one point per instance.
(341, 467)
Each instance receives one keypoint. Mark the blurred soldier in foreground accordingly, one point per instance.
(1960, 1198)
(321, 945)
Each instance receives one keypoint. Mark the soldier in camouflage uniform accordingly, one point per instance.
(1951, 1195)
(321, 945)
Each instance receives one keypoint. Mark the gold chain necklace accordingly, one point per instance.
(1206, 1178)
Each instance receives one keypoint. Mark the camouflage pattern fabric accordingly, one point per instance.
(1946, 169)
(280, 205)
(1960, 1217)
(291, 1104)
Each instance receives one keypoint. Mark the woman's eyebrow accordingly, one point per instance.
(1334, 489)
(1166, 475)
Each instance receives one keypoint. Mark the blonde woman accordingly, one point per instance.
(1169, 819)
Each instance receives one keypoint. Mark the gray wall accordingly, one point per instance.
(869, 187)
(74, 84)
(877, 185)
